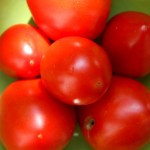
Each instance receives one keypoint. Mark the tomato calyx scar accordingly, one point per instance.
(89, 123)
(98, 83)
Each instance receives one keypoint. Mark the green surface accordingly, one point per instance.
(16, 11)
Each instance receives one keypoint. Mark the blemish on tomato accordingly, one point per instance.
(40, 136)
(31, 62)
(89, 123)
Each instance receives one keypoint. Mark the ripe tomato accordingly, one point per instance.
(21, 49)
(30, 119)
(60, 18)
(76, 70)
(121, 119)
(126, 41)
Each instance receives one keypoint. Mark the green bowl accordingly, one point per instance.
(16, 11)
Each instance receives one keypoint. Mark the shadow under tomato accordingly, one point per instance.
(146, 81)
(78, 142)
(1, 146)
(31, 21)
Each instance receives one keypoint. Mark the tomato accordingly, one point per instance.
(76, 70)
(126, 41)
(21, 49)
(31, 119)
(60, 18)
(120, 120)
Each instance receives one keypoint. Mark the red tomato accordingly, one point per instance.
(126, 40)
(21, 49)
(120, 120)
(60, 18)
(30, 119)
(76, 70)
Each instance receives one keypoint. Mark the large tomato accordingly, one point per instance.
(121, 119)
(30, 119)
(59, 18)
(76, 70)
(126, 41)
(21, 49)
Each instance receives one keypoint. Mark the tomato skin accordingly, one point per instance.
(126, 41)
(76, 70)
(60, 18)
(30, 119)
(21, 49)
(120, 120)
